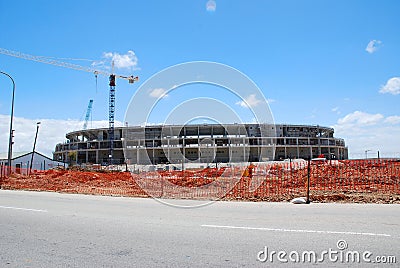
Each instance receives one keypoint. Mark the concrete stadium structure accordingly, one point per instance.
(201, 143)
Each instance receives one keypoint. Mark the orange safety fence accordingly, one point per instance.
(261, 181)
(362, 176)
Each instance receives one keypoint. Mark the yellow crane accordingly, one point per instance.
(112, 77)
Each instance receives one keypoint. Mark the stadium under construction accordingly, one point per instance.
(200, 143)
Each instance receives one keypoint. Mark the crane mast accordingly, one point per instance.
(112, 77)
(88, 112)
(111, 113)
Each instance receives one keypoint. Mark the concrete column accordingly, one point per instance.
(319, 146)
(198, 151)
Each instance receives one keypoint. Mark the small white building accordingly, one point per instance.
(21, 161)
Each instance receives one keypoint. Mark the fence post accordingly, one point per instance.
(308, 181)
(162, 186)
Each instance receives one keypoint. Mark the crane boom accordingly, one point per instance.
(68, 65)
(131, 79)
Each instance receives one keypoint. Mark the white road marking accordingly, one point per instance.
(25, 209)
(291, 230)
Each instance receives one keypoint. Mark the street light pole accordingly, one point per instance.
(366, 153)
(11, 124)
(34, 145)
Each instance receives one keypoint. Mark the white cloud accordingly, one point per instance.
(250, 101)
(364, 131)
(51, 132)
(335, 110)
(158, 93)
(373, 46)
(394, 119)
(392, 86)
(360, 118)
(211, 6)
(121, 61)
(128, 60)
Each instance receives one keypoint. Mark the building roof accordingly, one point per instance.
(15, 155)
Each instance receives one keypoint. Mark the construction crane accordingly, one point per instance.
(88, 112)
(112, 77)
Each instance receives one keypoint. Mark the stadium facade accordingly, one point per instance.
(201, 143)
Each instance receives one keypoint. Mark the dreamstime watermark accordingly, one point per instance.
(171, 140)
(340, 254)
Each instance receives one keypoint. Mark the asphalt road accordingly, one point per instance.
(65, 230)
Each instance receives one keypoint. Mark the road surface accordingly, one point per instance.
(39, 229)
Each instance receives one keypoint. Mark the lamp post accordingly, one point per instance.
(34, 145)
(366, 153)
(11, 124)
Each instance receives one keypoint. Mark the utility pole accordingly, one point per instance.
(34, 146)
(10, 142)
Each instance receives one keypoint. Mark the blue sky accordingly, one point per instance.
(317, 62)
